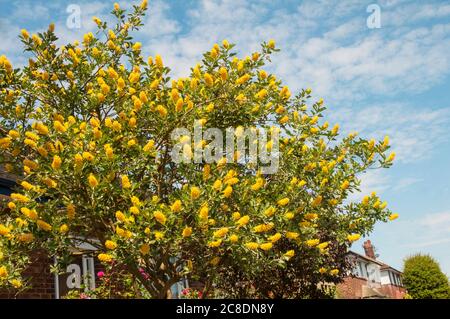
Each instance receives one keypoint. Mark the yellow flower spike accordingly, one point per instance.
(144, 4)
(58, 126)
(270, 211)
(243, 79)
(111, 245)
(292, 235)
(120, 216)
(137, 46)
(266, 246)
(252, 245)
(285, 93)
(176, 206)
(195, 192)
(56, 163)
(209, 80)
(289, 254)
(391, 157)
(234, 238)
(159, 61)
(204, 211)
(377, 204)
(160, 217)
(31, 164)
(227, 191)
(134, 210)
(365, 200)
(271, 44)
(105, 258)
(43, 225)
(92, 181)
(334, 272)
(187, 232)
(236, 215)
(13, 134)
(317, 201)
(179, 105)
(109, 152)
(125, 182)
(25, 34)
(312, 242)
(284, 119)
(6, 142)
(120, 84)
(283, 201)
(149, 146)
(88, 156)
(161, 110)
(345, 184)
(323, 245)
(28, 237)
(4, 231)
(3, 271)
(274, 238)
(27, 186)
(206, 172)
(393, 217)
(215, 244)
(144, 249)
(289, 215)
(353, 237)
(221, 232)
(243, 221)
(385, 141)
(223, 73)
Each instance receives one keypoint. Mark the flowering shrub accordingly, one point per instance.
(189, 293)
(87, 128)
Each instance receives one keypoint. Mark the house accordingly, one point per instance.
(370, 277)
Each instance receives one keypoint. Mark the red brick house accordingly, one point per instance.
(370, 278)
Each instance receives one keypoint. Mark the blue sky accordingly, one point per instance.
(392, 80)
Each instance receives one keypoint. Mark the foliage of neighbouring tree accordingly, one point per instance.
(424, 279)
(87, 127)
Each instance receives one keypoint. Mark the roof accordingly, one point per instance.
(366, 258)
(387, 267)
(382, 264)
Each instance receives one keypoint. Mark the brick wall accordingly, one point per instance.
(42, 282)
(351, 288)
(395, 292)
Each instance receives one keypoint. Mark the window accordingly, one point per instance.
(360, 270)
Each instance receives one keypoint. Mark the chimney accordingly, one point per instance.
(369, 249)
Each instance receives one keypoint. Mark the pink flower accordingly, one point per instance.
(84, 296)
(100, 274)
(185, 291)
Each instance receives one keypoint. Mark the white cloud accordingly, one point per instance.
(413, 135)
(371, 181)
(30, 11)
(404, 183)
